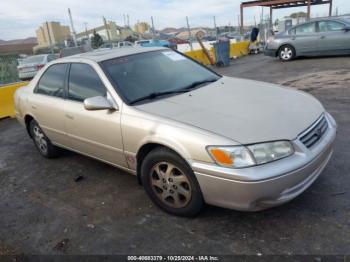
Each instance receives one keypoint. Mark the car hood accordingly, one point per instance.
(245, 111)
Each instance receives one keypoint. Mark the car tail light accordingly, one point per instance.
(39, 66)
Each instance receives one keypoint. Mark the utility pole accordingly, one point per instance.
(49, 36)
(153, 30)
(189, 33)
(330, 7)
(128, 21)
(216, 29)
(239, 25)
(106, 27)
(72, 27)
(86, 31)
(308, 10)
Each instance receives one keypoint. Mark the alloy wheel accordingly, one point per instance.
(286, 53)
(40, 139)
(170, 185)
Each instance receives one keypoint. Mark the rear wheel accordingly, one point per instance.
(286, 53)
(171, 183)
(41, 141)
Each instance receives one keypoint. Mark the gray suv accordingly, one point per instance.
(326, 36)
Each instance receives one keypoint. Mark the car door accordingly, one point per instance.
(47, 103)
(305, 38)
(94, 133)
(333, 39)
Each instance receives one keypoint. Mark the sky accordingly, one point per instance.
(20, 18)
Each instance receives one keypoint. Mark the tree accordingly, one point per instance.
(299, 14)
(96, 40)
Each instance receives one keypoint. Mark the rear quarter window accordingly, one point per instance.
(52, 81)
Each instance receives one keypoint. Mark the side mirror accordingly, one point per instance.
(97, 103)
(346, 28)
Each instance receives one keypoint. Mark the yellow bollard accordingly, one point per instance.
(7, 105)
(236, 50)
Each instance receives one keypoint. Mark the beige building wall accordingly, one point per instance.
(53, 31)
(116, 32)
(142, 27)
(40, 35)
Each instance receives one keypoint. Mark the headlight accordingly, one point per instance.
(257, 154)
(268, 152)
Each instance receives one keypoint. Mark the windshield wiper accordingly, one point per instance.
(157, 94)
(198, 83)
(178, 91)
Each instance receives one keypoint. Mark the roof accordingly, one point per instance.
(103, 55)
(275, 4)
(333, 18)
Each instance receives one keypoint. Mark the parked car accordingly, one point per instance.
(69, 51)
(155, 43)
(232, 35)
(115, 45)
(190, 135)
(30, 66)
(326, 36)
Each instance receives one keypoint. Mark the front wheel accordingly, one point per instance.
(171, 183)
(286, 53)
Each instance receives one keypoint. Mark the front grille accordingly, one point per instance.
(314, 133)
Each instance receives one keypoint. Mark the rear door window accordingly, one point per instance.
(84, 83)
(52, 81)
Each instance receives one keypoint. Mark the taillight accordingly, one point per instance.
(39, 66)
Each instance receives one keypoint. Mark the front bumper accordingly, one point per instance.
(270, 52)
(261, 187)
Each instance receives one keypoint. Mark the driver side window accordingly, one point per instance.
(306, 29)
(84, 83)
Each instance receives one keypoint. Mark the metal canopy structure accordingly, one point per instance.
(278, 4)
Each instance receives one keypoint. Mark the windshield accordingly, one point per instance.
(34, 59)
(141, 75)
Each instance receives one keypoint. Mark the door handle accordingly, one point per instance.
(69, 116)
(323, 37)
(34, 107)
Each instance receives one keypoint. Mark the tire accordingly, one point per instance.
(286, 53)
(41, 141)
(171, 183)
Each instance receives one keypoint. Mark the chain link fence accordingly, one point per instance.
(8, 69)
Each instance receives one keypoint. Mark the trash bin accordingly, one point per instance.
(222, 52)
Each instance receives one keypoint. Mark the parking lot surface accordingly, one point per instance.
(43, 210)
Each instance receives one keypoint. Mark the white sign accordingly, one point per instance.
(174, 56)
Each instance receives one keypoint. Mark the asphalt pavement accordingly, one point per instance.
(44, 210)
